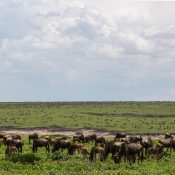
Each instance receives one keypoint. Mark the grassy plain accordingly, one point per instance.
(74, 165)
(132, 117)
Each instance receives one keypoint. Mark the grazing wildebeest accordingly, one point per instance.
(173, 144)
(97, 150)
(99, 140)
(79, 137)
(18, 144)
(167, 143)
(15, 136)
(117, 147)
(49, 139)
(13, 140)
(133, 149)
(56, 139)
(10, 150)
(89, 138)
(8, 141)
(78, 133)
(2, 135)
(135, 139)
(155, 151)
(6, 136)
(129, 151)
(40, 143)
(85, 153)
(75, 139)
(168, 136)
(33, 136)
(120, 135)
(109, 145)
(62, 144)
(75, 146)
(147, 143)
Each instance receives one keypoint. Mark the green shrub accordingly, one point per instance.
(165, 156)
(58, 156)
(24, 158)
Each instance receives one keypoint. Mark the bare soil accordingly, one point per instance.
(55, 131)
(66, 131)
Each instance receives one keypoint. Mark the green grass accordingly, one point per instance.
(74, 165)
(147, 117)
(133, 117)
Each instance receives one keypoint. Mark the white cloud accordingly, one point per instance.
(82, 41)
(172, 92)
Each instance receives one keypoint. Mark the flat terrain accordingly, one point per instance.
(101, 118)
(62, 164)
(131, 117)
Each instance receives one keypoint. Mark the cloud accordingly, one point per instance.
(172, 92)
(88, 44)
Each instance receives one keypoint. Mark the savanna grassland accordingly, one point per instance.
(41, 163)
(132, 117)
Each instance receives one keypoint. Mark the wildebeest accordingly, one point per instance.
(120, 135)
(91, 138)
(173, 144)
(10, 150)
(2, 135)
(146, 143)
(62, 144)
(79, 138)
(155, 151)
(85, 153)
(129, 151)
(40, 143)
(49, 139)
(8, 141)
(75, 146)
(97, 150)
(135, 139)
(167, 143)
(99, 140)
(56, 139)
(18, 144)
(117, 147)
(111, 147)
(79, 133)
(168, 136)
(33, 136)
(15, 136)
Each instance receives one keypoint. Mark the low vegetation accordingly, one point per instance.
(62, 164)
(132, 117)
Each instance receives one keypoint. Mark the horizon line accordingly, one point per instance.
(79, 101)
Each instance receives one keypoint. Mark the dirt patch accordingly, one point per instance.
(129, 115)
(55, 131)
(67, 131)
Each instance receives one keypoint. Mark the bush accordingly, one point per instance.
(58, 156)
(165, 156)
(24, 158)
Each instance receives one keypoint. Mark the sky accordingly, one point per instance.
(83, 50)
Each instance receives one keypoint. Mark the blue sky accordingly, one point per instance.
(66, 50)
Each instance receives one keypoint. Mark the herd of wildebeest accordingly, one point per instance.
(122, 147)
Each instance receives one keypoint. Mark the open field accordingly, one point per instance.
(91, 117)
(45, 165)
(131, 117)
